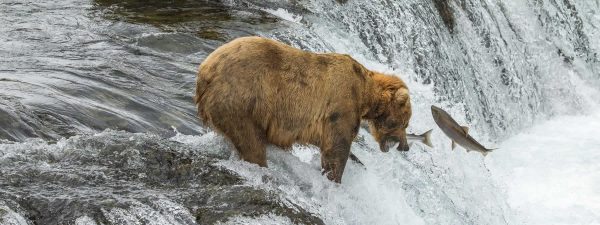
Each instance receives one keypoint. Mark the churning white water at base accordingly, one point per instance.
(10, 217)
(551, 172)
(422, 186)
(548, 174)
(367, 196)
(269, 219)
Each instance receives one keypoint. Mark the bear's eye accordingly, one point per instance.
(391, 124)
(380, 120)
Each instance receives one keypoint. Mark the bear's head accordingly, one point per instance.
(389, 125)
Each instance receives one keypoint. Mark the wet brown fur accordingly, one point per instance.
(257, 91)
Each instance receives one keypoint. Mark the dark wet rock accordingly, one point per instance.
(209, 20)
(119, 176)
(248, 202)
(567, 59)
(2, 213)
(210, 34)
(443, 8)
(173, 42)
(160, 12)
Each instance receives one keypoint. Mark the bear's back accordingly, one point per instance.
(286, 91)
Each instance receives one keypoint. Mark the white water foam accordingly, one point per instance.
(268, 219)
(85, 220)
(552, 171)
(423, 186)
(284, 14)
(10, 217)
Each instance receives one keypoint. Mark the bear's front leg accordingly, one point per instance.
(335, 147)
(333, 162)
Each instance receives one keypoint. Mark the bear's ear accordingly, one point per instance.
(401, 96)
(388, 94)
(390, 86)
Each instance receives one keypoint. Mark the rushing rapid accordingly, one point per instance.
(98, 126)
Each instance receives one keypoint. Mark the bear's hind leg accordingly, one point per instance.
(248, 141)
(252, 150)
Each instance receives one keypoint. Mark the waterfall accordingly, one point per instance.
(97, 125)
(504, 64)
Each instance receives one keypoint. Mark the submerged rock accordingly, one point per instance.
(207, 19)
(124, 178)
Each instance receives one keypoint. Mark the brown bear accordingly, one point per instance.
(257, 91)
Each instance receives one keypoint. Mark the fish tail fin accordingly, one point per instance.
(488, 150)
(427, 138)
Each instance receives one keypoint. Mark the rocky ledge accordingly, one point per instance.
(124, 178)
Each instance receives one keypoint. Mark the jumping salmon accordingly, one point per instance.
(458, 134)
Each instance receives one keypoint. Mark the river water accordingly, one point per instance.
(97, 124)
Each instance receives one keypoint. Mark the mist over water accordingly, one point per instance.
(97, 123)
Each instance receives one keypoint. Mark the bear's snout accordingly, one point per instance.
(388, 142)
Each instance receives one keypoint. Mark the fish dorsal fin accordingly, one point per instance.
(453, 145)
(466, 129)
